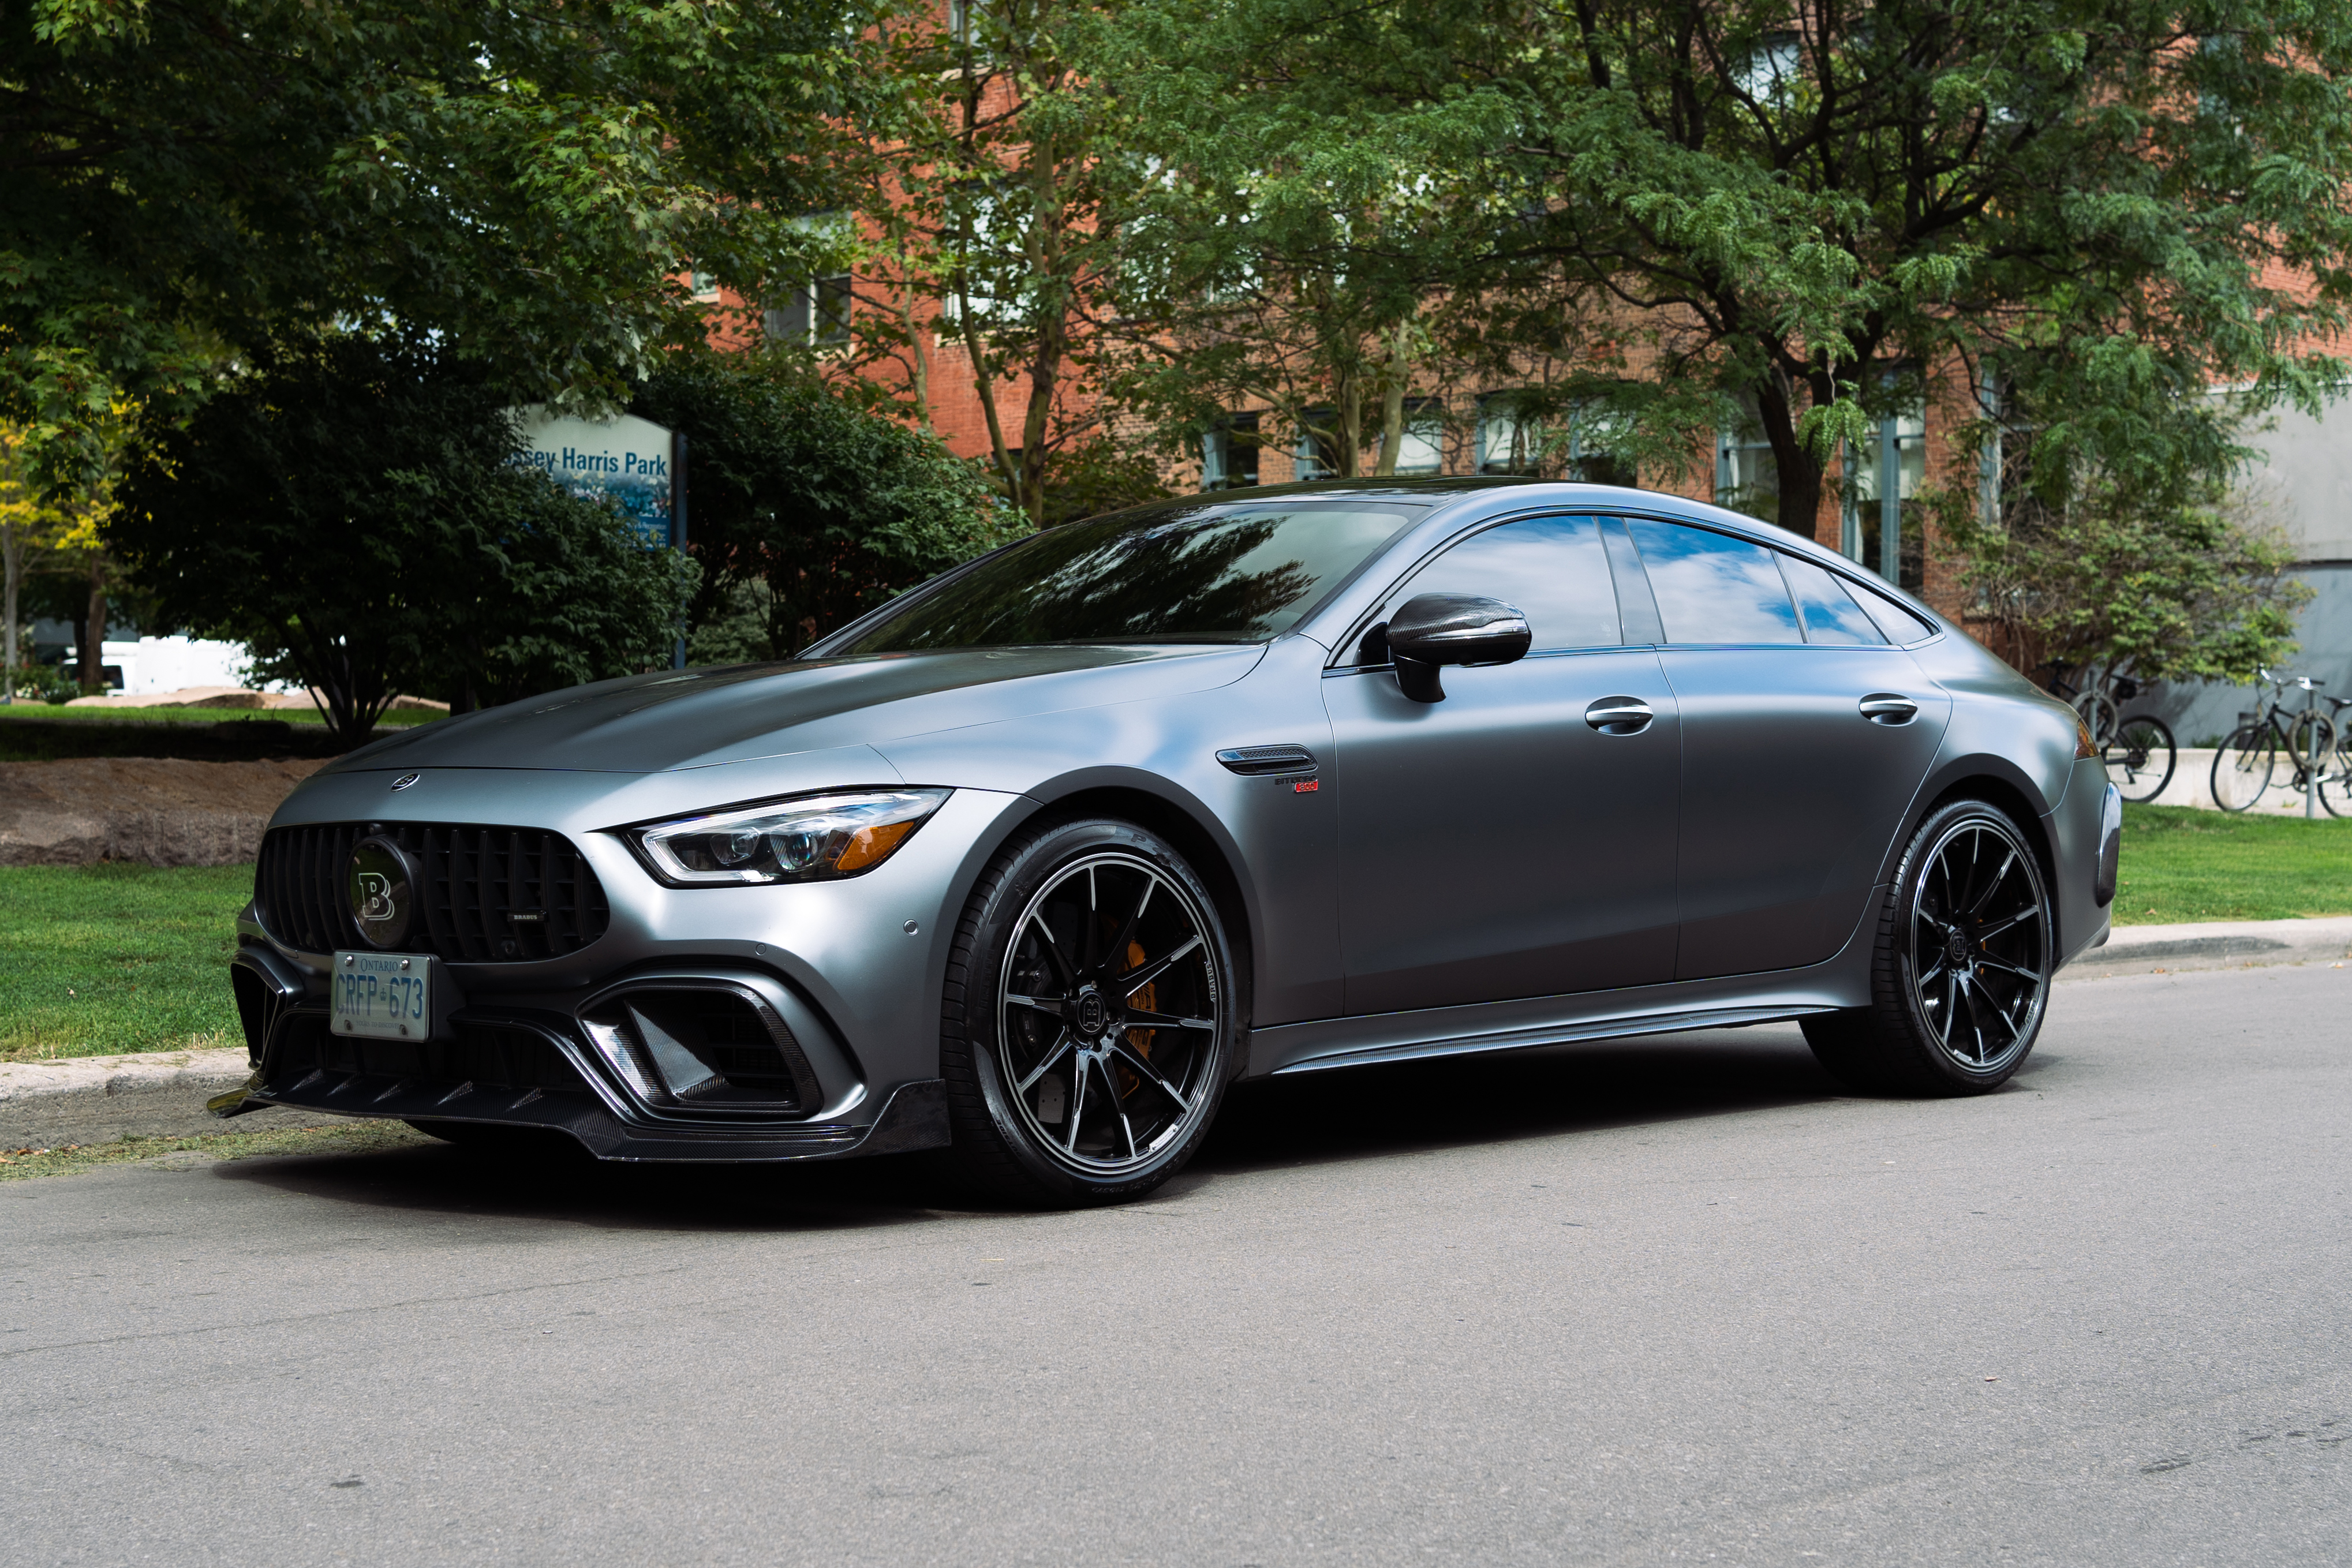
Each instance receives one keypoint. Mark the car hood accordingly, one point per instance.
(700, 718)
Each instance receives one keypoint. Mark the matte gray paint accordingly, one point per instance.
(1014, 732)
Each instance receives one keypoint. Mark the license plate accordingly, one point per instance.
(384, 995)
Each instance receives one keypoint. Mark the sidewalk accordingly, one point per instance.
(97, 1099)
(2215, 945)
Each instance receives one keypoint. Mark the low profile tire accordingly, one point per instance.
(1960, 974)
(1091, 1018)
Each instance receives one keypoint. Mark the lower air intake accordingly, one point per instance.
(708, 1046)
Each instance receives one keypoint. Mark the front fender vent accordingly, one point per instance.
(1251, 761)
(491, 894)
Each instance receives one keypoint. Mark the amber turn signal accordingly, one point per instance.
(867, 845)
(2083, 746)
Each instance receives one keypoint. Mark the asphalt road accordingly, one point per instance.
(1674, 1303)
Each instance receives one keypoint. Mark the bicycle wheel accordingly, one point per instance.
(2336, 784)
(2098, 711)
(2310, 737)
(2140, 758)
(2243, 767)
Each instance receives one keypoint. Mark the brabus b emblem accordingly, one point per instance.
(405, 781)
(375, 891)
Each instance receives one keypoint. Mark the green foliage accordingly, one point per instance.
(350, 511)
(987, 193)
(2138, 581)
(1677, 215)
(205, 176)
(810, 493)
(1098, 476)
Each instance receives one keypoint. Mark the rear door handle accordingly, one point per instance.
(1619, 716)
(1889, 708)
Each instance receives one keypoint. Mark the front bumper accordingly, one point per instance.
(832, 991)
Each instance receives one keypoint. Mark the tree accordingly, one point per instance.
(2101, 207)
(811, 505)
(352, 512)
(1294, 214)
(985, 193)
(197, 179)
(1693, 214)
(2152, 585)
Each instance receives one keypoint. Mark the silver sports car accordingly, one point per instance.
(1035, 860)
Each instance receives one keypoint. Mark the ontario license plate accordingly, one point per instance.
(386, 995)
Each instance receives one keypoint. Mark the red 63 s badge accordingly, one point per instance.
(1306, 786)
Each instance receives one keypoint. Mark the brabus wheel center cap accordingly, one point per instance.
(1956, 947)
(1092, 1015)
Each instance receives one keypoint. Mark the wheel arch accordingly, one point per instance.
(1209, 850)
(2006, 796)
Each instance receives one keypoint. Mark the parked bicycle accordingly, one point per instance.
(2335, 781)
(2138, 750)
(2276, 744)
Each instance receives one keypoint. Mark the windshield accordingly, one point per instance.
(1210, 572)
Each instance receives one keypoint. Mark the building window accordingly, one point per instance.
(1509, 440)
(1883, 518)
(814, 313)
(1421, 448)
(1229, 451)
(1593, 435)
(1316, 455)
(1747, 476)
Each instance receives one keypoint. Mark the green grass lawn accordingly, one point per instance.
(107, 959)
(2180, 864)
(305, 714)
(100, 959)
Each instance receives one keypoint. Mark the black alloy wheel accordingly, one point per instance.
(1960, 978)
(1090, 1025)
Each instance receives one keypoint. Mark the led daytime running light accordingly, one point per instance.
(817, 838)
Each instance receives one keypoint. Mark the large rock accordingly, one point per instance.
(164, 811)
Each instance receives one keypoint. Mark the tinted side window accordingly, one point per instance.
(1712, 588)
(1550, 568)
(1899, 624)
(1830, 614)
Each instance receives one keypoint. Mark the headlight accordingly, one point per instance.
(817, 838)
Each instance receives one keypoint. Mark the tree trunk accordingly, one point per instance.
(1799, 474)
(1046, 258)
(93, 655)
(12, 560)
(1352, 424)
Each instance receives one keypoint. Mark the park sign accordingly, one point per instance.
(634, 464)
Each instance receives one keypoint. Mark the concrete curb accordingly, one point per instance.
(2215, 945)
(97, 1099)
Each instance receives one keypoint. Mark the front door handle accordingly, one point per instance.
(1889, 708)
(1619, 716)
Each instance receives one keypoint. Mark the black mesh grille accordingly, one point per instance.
(491, 895)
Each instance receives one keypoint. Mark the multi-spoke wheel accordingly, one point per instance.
(1961, 974)
(1090, 1025)
(2141, 758)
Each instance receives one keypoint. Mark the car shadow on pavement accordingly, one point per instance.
(1453, 1102)
(1311, 1118)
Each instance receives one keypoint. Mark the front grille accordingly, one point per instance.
(491, 895)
